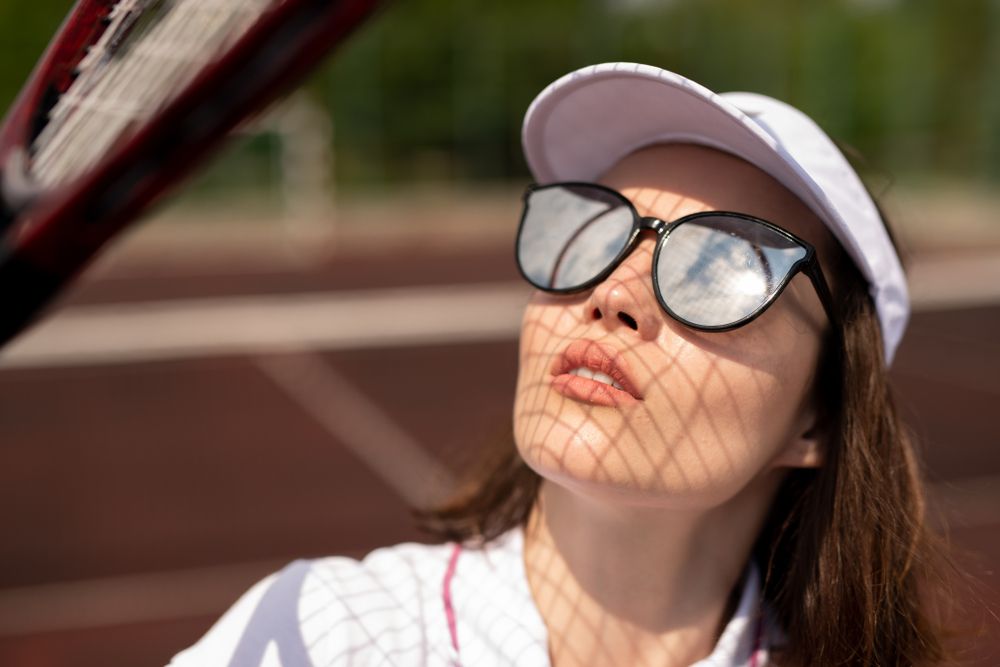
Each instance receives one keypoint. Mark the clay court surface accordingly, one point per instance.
(199, 414)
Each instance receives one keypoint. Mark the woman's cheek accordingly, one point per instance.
(711, 420)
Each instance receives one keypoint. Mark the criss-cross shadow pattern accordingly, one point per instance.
(695, 444)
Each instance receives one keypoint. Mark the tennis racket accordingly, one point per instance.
(128, 98)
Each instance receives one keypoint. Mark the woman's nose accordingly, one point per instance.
(625, 298)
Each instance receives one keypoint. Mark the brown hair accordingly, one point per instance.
(849, 558)
(850, 564)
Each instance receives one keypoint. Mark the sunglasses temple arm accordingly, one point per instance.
(815, 274)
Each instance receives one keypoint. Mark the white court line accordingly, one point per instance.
(361, 425)
(128, 333)
(967, 504)
(392, 317)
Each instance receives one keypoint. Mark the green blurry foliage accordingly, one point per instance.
(435, 89)
(25, 29)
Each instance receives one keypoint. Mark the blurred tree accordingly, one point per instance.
(25, 30)
(435, 89)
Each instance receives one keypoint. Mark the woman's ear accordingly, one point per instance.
(807, 449)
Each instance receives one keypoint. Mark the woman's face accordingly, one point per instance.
(716, 410)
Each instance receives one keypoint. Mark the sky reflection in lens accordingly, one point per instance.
(571, 234)
(717, 271)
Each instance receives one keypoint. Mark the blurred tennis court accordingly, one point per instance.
(323, 332)
(205, 408)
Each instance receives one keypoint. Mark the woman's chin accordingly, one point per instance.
(593, 467)
(618, 471)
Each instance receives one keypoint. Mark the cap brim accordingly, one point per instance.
(585, 122)
(582, 124)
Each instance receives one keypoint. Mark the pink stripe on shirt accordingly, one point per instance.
(449, 609)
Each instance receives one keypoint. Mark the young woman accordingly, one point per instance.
(707, 467)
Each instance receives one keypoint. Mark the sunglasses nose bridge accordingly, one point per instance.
(655, 224)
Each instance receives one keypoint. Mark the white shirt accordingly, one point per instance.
(414, 604)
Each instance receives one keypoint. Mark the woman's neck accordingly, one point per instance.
(619, 584)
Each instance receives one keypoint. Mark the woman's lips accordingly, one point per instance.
(591, 391)
(596, 357)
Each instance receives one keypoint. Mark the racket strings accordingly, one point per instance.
(149, 51)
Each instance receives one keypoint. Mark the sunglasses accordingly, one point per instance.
(712, 271)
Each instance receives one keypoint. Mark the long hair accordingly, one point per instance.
(849, 561)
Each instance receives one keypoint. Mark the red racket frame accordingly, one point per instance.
(53, 238)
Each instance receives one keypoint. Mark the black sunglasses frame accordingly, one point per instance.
(808, 264)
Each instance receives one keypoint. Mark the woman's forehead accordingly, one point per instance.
(669, 181)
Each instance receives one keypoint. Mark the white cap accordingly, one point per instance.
(585, 122)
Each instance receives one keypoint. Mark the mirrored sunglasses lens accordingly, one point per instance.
(716, 271)
(570, 234)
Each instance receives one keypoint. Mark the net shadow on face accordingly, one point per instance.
(707, 390)
(689, 398)
(628, 456)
